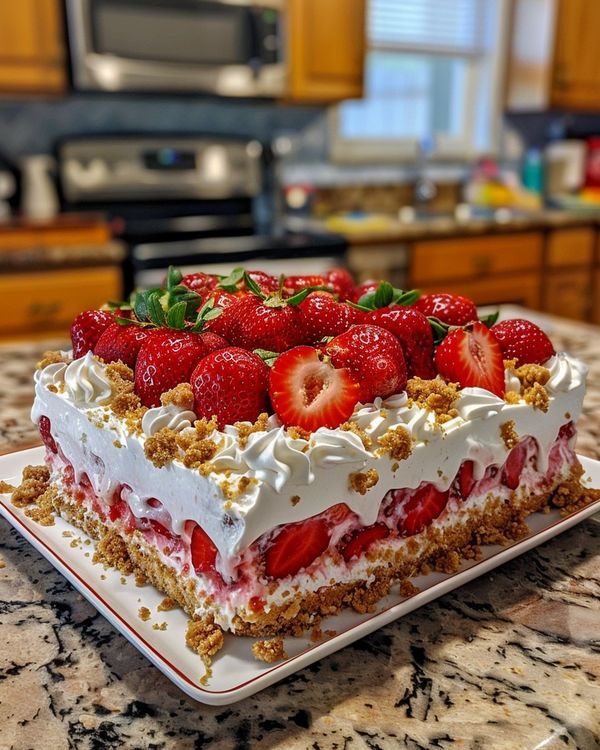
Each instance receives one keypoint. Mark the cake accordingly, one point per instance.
(267, 454)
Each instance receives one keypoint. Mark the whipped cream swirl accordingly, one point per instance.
(565, 373)
(51, 375)
(171, 416)
(478, 403)
(86, 382)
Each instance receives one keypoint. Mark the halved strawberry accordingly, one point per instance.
(204, 552)
(45, 428)
(465, 478)
(472, 358)
(362, 539)
(309, 393)
(426, 504)
(295, 547)
(514, 465)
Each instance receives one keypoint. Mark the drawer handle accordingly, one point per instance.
(44, 309)
(481, 264)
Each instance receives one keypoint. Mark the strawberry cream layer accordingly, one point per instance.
(454, 470)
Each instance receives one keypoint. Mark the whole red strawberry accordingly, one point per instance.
(524, 341)
(321, 316)
(472, 358)
(374, 356)
(268, 323)
(231, 384)
(308, 392)
(266, 281)
(294, 284)
(229, 304)
(121, 342)
(341, 282)
(199, 282)
(87, 328)
(167, 359)
(364, 288)
(449, 308)
(414, 332)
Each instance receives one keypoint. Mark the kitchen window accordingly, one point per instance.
(433, 78)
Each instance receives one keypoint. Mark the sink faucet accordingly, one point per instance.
(425, 189)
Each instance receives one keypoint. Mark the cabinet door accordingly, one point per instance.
(32, 54)
(576, 73)
(45, 303)
(568, 293)
(327, 44)
(495, 290)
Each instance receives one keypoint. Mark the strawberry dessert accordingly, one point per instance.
(268, 451)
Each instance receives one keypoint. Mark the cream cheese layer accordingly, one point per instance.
(293, 478)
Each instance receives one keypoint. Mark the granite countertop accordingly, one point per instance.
(511, 660)
(384, 230)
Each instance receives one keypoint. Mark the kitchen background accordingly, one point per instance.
(451, 146)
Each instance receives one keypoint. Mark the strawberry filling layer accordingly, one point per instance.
(334, 539)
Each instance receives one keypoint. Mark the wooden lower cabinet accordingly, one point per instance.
(568, 293)
(596, 297)
(44, 304)
(525, 290)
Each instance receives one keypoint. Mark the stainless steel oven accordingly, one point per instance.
(223, 47)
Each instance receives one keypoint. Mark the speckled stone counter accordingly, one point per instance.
(510, 661)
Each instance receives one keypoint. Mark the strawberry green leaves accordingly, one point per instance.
(385, 295)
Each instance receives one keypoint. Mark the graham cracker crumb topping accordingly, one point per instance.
(353, 427)
(531, 374)
(162, 447)
(34, 484)
(199, 452)
(435, 395)
(508, 433)
(51, 358)
(397, 442)
(270, 650)
(144, 613)
(295, 499)
(181, 396)
(5, 487)
(298, 433)
(167, 604)
(245, 430)
(361, 482)
(121, 377)
(204, 637)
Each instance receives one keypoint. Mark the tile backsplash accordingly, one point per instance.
(28, 127)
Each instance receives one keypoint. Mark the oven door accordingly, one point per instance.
(224, 47)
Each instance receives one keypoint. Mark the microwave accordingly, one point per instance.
(222, 47)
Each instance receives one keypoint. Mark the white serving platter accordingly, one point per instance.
(236, 674)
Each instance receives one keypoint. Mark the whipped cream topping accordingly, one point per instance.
(314, 472)
(171, 416)
(86, 383)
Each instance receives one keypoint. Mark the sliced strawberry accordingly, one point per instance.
(87, 328)
(375, 358)
(204, 552)
(426, 504)
(45, 429)
(309, 393)
(295, 547)
(362, 539)
(338, 513)
(514, 465)
(524, 341)
(121, 511)
(465, 478)
(449, 308)
(473, 358)
(160, 529)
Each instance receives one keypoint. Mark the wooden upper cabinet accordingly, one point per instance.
(32, 47)
(327, 49)
(576, 70)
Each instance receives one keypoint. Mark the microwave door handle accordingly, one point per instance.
(255, 50)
